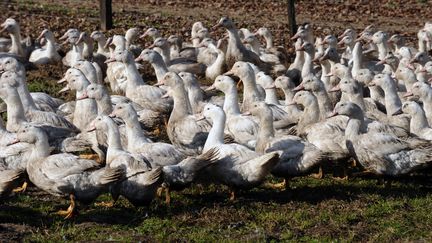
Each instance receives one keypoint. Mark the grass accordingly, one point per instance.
(310, 210)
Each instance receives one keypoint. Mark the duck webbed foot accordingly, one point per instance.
(22, 188)
(232, 195)
(167, 195)
(71, 211)
(277, 186)
(318, 175)
(105, 204)
(90, 157)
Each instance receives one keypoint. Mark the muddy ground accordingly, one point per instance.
(311, 209)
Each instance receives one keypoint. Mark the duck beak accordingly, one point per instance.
(91, 128)
(372, 83)
(143, 35)
(292, 103)
(398, 112)
(295, 36)
(151, 46)
(162, 82)
(229, 73)
(272, 86)
(80, 39)
(64, 37)
(340, 42)
(108, 43)
(3, 29)
(15, 141)
(216, 26)
(166, 95)
(246, 113)
(112, 115)
(109, 60)
(64, 42)
(299, 87)
(329, 74)
(342, 36)
(410, 66)
(64, 89)
(210, 88)
(40, 36)
(62, 80)
(138, 59)
(408, 94)
(335, 88)
(199, 117)
(83, 96)
(324, 57)
(381, 62)
(334, 113)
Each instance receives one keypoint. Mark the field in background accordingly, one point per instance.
(311, 209)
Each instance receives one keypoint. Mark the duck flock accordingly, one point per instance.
(362, 102)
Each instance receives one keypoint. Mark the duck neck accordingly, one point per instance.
(24, 94)
(299, 60)
(166, 54)
(308, 65)
(114, 141)
(391, 98)
(51, 47)
(88, 49)
(324, 102)
(418, 121)
(382, 50)
(357, 61)
(357, 98)
(426, 98)
(355, 127)
(234, 42)
(255, 47)
(101, 46)
(269, 41)
(216, 134)
(266, 130)
(326, 69)
(15, 111)
(160, 67)
(182, 105)
(40, 149)
(133, 77)
(16, 47)
(289, 94)
(310, 115)
(104, 105)
(250, 91)
(134, 132)
(231, 105)
(217, 65)
(271, 96)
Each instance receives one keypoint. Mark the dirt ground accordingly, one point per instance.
(310, 210)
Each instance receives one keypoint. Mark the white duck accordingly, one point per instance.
(142, 180)
(183, 131)
(238, 167)
(382, 153)
(418, 124)
(158, 153)
(48, 54)
(242, 128)
(65, 175)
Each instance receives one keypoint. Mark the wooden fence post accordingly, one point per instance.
(291, 17)
(105, 14)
